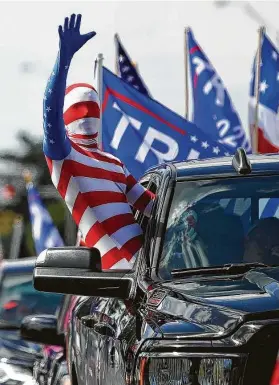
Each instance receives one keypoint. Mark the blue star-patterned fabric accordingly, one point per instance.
(127, 69)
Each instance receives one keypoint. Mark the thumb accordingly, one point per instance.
(89, 35)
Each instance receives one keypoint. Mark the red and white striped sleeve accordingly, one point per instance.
(138, 196)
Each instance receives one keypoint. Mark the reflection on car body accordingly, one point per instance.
(197, 307)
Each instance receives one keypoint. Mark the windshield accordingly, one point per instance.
(216, 222)
(18, 298)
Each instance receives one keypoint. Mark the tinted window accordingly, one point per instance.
(213, 223)
(18, 298)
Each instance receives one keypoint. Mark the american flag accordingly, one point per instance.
(96, 186)
(44, 231)
(127, 69)
(268, 122)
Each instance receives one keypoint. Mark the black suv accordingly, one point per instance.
(201, 304)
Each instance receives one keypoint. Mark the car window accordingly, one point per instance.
(217, 222)
(18, 298)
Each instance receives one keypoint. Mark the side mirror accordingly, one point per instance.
(41, 329)
(77, 270)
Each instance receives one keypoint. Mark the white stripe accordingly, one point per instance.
(268, 121)
(71, 193)
(105, 244)
(86, 184)
(126, 233)
(87, 220)
(109, 210)
(88, 161)
(84, 126)
(147, 211)
(122, 264)
(80, 94)
(56, 171)
(135, 193)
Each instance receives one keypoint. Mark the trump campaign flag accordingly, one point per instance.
(142, 132)
(268, 98)
(214, 112)
(127, 70)
(45, 233)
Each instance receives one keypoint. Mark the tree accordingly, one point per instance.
(30, 155)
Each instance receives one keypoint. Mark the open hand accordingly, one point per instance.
(70, 38)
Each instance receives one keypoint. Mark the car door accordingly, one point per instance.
(93, 344)
(116, 335)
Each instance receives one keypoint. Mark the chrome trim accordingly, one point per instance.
(190, 355)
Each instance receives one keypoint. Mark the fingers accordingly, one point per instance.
(60, 31)
(78, 21)
(89, 35)
(66, 23)
(72, 21)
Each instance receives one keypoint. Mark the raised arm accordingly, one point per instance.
(56, 144)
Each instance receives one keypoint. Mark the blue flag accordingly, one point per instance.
(45, 233)
(127, 70)
(213, 112)
(142, 132)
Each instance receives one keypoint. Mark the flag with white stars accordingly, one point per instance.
(143, 133)
(267, 113)
(127, 70)
(213, 110)
(44, 231)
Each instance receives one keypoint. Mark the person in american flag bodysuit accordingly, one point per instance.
(96, 186)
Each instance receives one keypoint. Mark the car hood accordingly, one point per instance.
(215, 305)
(16, 351)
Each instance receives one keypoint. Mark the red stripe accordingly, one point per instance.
(96, 155)
(131, 247)
(264, 145)
(108, 227)
(73, 86)
(106, 97)
(127, 251)
(110, 258)
(79, 207)
(142, 202)
(72, 168)
(194, 49)
(95, 234)
(92, 145)
(49, 164)
(131, 182)
(81, 110)
(93, 199)
(83, 136)
(132, 103)
(116, 222)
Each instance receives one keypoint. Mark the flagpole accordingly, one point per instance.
(186, 61)
(100, 92)
(255, 138)
(116, 39)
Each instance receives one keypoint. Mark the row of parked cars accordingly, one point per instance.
(200, 305)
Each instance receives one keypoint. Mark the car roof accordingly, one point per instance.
(18, 265)
(262, 164)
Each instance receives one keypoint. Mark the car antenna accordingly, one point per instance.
(241, 163)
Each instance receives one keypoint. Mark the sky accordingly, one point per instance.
(152, 33)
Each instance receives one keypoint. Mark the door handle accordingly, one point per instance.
(104, 329)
